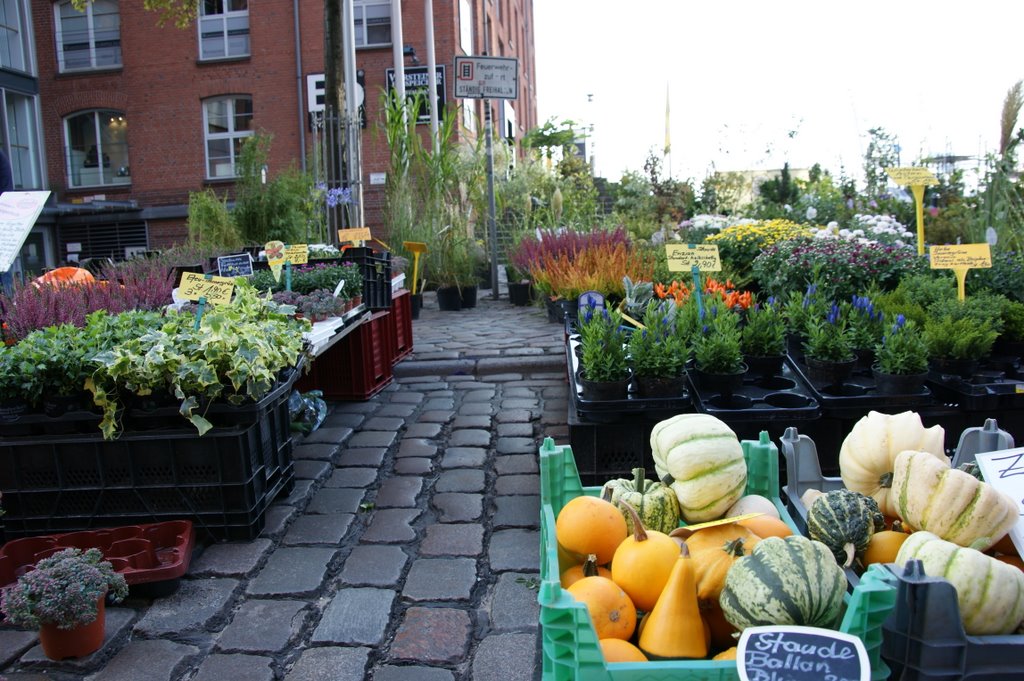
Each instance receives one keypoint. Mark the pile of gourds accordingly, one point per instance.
(655, 590)
(897, 475)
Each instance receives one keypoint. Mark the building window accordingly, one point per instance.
(223, 29)
(90, 39)
(23, 140)
(227, 122)
(96, 148)
(466, 26)
(14, 48)
(373, 23)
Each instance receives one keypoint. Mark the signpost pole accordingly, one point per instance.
(918, 191)
(492, 226)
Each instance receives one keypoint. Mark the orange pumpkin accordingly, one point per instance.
(720, 629)
(643, 562)
(729, 654)
(588, 525)
(589, 568)
(714, 550)
(611, 611)
(617, 650)
(765, 526)
(883, 547)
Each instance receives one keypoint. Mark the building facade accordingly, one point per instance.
(132, 115)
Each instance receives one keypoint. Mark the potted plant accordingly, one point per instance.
(717, 356)
(657, 353)
(605, 372)
(865, 328)
(763, 338)
(901, 359)
(63, 597)
(955, 345)
(828, 352)
(450, 266)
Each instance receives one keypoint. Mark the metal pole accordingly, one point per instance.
(398, 51)
(353, 134)
(492, 225)
(298, 84)
(428, 11)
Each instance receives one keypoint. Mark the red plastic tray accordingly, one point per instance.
(142, 553)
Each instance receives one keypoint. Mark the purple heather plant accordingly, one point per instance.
(63, 589)
(530, 251)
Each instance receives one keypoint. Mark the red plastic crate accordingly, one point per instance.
(401, 326)
(355, 368)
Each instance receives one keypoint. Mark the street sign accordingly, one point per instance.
(417, 81)
(486, 78)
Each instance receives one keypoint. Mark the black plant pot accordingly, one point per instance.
(449, 299)
(898, 384)
(604, 390)
(660, 386)
(964, 368)
(468, 296)
(770, 365)
(520, 294)
(830, 373)
(415, 305)
(725, 384)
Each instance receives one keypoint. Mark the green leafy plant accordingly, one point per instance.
(948, 337)
(63, 589)
(602, 343)
(798, 309)
(1013, 321)
(716, 350)
(828, 339)
(764, 333)
(902, 349)
(210, 222)
(657, 350)
(864, 322)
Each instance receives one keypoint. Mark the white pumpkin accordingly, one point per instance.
(700, 457)
(954, 505)
(753, 503)
(870, 449)
(990, 593)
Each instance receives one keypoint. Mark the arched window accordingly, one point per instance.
(227, 122)
(96, 148)
(90, 39)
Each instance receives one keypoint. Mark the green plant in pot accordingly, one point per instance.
(956, 345)
(605, 371)
(657, 353)
(763, 338)
(828, 350)
(717, 357)
(450, 266)
(901, 358)
(864, 326)
(63, 597)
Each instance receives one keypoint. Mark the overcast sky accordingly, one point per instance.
(754, 83)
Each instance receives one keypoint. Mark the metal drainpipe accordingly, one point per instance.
(298, 83)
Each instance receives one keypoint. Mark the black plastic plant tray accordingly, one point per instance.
(859, 392)
(609, 411)
(783, 396)
(987, 390)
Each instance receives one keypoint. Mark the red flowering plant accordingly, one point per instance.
(63, 589)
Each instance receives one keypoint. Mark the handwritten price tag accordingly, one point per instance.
(216, 290)
(801, 654)
(297, 254)
(682, 257)
(907, 177)
(1004, 470)
(963, 255)
(354, 234)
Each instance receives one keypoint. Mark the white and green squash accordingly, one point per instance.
(700, 458)
(655, 503)
(990, 593)
(949, 503)
(844, 521)
(784, 581)
(869, 451)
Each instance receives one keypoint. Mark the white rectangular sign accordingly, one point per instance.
(486, 78)
(18, 212)
(1004, 470)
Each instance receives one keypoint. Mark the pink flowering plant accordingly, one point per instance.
(63, 589)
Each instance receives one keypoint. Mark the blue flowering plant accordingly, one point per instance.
(716, 348)
(657, 350)
(63, 590)
(799, 309)
(603, 343)
(828, 338)
(902, 349)
(864, 322)
(764, 330)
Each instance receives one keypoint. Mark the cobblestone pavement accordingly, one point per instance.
(408, 549)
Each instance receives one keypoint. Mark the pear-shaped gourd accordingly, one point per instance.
(674, 628)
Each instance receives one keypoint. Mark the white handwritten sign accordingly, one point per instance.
(799, 653)
(1004, 470)
(18, 212)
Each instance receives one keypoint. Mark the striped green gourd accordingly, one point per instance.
(784, 581)
(654, 502)
(844, 521)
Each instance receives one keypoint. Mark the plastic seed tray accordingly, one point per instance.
(859, 392)
(141, 553)
(992, 387)
(780, 397)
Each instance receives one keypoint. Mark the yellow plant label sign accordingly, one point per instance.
(415, 246)
(216, 290)
(907, 177)
(723, 521)
(297, 254)
(354, 234)
(970, 256)
(682, 257)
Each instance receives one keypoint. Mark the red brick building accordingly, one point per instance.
(132, 116)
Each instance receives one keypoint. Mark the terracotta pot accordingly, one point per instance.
(60, 644)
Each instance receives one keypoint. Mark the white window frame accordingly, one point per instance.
(231, 134)
(105, 172)
(91, 39)
(359, 10)
(16, 42)
(223, 24)
(21, 118)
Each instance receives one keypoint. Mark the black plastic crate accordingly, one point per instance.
(610, 450)
(376, 269)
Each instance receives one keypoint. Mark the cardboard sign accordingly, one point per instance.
(1004, 470)
(296, 254)
(970, 256)
(18, 213)
(354, 234)
(216, 290)
(907, 177)
(682, 257)
(238, 265)
(801, 653)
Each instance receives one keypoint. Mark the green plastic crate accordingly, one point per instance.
(571, 651)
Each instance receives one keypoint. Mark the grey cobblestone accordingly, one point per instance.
(440, 579)
(453, 539)
(458, 507)
(374, 565)
(413, 465)
(469, 438)
(399, 492)
(463, 457)
(197, 605)
(425, 430)
(292, 571)
(146, 661)
(351, 477)
(263, 626)
(218, 667)
(318, 529)
(362, 456)
(460, 480)
(330, 664)
(392, 526)
(235, 559)
(355, 616)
